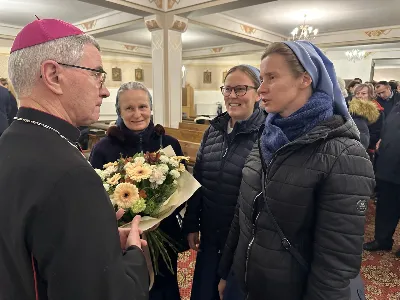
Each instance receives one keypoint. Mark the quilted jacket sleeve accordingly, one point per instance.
(230, 246)
(191, 221)
(339, 229)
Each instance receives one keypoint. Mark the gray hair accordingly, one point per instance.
(135, 86)
(342, 86)
(24, 64)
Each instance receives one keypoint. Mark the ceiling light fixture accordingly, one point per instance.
(355, 55)
(304, 32)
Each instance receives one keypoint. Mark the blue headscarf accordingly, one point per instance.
(322, 73)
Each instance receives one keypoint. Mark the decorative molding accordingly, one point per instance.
(179, 26)
(158, 3)
(248, 29)
(157, 41)
(216, 50)
(175, 42)
(130, 47)
(152, 25)
(368, 54)
(89, 25)
(377, 33)
(171, 3)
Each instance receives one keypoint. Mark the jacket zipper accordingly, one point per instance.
(254, 227)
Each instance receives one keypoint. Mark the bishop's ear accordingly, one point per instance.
(50, 74)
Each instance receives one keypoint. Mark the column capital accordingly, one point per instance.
(168, 22)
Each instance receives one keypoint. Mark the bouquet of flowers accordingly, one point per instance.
(152, 185)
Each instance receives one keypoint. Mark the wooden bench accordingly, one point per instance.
(193, 126)
(190, 149)
(185, 135)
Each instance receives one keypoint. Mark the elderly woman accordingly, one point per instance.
(134, 133)
(220, 160)
(298, 231)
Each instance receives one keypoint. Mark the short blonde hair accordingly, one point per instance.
(369, 86)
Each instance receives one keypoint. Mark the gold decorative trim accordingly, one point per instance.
(377, 33)
(368, 54)
(171, 3)
(152, 25)
(179, 25)
(158, 3)
(216, 50)
(89, 25)
(247, 29)
(130, 47)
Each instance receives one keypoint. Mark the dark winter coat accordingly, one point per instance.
(317, 188)
(376, 128)
(122, 141)
(218, 168)
(389, 103)
(364, 114)
(388, 160)
(5, 101)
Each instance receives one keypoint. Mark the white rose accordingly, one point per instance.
(157, 176)
(163, 168)
(175, 174)
(174, 163)
(106, 186)
(164, 159)
(100, 173)
(139, 160)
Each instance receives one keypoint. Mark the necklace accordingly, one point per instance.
(49, 128)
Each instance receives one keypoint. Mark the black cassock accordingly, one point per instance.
(56, 218)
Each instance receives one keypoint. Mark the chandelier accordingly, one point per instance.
(355, 55)
(304, 32)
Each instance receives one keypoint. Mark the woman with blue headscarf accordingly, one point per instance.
(135, 133)
(298, 231)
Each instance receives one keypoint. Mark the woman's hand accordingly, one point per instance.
(221, 288)
(194, 240)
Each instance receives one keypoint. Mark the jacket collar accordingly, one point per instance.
(246, 126)
(125, 135)
(334, 127)
(63, 127)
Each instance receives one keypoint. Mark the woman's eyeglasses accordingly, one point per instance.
(240, 90)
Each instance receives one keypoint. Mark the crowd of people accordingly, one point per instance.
(286, 174)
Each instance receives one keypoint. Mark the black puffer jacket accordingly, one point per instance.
(317, 188)
(218, 168)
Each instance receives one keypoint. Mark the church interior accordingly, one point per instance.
(181, 51)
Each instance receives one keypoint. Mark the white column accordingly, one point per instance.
(166, 43)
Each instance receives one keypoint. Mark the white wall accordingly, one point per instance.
(387, 74)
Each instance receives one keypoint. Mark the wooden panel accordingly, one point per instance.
(185, 135)
(193, 126)
(190, 149)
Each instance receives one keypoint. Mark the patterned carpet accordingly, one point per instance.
(380, 270)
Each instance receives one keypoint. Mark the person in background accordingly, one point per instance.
(218, 168)
(386, 97)
(12, 106)
(350, 91)
(306, 171)
(342, 86)
(393, 85)
(388, 180)
(134, 133)
(4, 109)
(359, 80)
(58, 231)
(367, 114)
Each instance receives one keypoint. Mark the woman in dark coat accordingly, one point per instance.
(298, 231)
(220, 160)
(367, 115)
(134, 133)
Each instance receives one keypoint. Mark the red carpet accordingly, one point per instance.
(380, 270)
